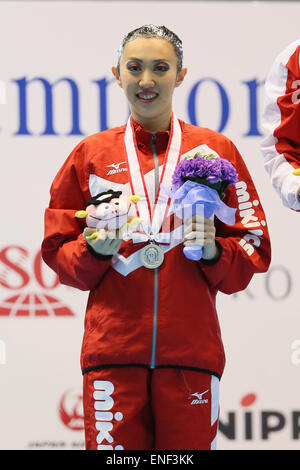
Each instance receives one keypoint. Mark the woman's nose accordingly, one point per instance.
(146, 80)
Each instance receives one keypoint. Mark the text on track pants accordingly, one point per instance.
(133, 408)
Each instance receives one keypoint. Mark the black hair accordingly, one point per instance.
(106, 196)
(152, 31)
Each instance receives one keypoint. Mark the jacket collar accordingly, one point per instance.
(143, 138)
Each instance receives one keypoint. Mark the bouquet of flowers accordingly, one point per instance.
(199, 186)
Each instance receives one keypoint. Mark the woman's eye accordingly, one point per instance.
(162, 67)
(133, 67)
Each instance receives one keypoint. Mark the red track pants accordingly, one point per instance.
(133, 408)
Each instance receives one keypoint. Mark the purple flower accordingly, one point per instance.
(228, 171)
(207, 168)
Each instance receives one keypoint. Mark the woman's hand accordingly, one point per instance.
(201, 231)
(106, 242)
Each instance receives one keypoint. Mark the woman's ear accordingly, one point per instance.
(116, 74)
(180, 76)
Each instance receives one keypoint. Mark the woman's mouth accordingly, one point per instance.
(147, 97)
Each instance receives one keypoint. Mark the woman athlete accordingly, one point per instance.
(152, 354)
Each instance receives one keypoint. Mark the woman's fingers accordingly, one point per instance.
(106, 242)
(201, 231)
(199, 235)
(197, 226)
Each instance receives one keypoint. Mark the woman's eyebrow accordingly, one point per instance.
(140, 60)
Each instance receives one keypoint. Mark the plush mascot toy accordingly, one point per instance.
(110, 210)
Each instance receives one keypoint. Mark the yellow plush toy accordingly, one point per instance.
(112, 211)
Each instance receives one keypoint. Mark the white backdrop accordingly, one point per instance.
(230, 47)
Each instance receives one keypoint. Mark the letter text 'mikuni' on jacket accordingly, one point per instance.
(119, 321)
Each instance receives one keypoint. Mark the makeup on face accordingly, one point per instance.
(148, 75)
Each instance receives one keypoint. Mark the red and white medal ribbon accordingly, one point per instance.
(153, 217)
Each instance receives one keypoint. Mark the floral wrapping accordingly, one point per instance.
(199, 185)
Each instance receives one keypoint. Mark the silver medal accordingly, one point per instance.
(152, 256)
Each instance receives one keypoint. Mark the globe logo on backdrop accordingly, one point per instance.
(31, 304)
(15, 275)
(71, 409)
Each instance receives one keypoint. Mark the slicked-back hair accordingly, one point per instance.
(152, 31)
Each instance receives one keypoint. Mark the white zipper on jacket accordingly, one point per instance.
(155, 295)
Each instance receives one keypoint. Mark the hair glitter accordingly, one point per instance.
(152, 31)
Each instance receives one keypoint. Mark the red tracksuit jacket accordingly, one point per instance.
(281, 120)
(135, 315)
